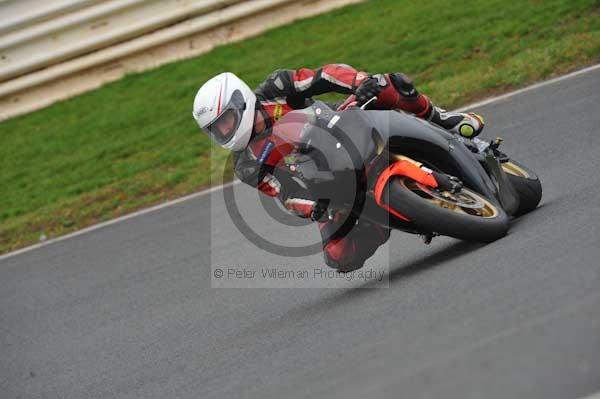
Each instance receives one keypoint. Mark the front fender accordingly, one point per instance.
(403, 167)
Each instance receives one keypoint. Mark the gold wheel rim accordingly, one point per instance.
(466, 202)
(514, 169)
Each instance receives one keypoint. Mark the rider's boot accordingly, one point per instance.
(467, 125)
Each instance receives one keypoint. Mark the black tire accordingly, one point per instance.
(435, 219)
(526, 183)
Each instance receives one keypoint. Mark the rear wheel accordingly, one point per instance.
(466, 215)
(526, 183)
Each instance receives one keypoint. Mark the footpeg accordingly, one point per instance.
(502, 157)
(496, 143)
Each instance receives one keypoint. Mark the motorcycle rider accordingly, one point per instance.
(241, 120)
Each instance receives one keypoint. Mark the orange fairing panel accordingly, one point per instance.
(401, 168)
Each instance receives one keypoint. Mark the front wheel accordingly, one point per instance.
(465, 215)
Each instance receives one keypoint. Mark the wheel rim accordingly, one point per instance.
(465, 201)
(514, 169)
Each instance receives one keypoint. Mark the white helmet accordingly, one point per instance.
(226, 96)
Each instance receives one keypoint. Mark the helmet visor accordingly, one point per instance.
(226, 124)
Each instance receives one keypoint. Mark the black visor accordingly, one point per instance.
(228, 121)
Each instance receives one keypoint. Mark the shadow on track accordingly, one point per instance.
(398, 272)
(452, 251)
(343, 300)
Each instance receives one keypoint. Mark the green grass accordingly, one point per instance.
(134, 143)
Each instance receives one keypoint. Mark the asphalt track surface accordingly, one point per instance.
(127, 310)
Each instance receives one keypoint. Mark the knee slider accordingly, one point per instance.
(337, 256)
(344, 267)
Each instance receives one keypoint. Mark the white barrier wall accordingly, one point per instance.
(79, 27)
(54, 49)
(19, 14)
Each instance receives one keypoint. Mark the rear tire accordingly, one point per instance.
(527, 185)
(430, 216)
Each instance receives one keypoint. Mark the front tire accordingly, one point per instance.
(466, 215)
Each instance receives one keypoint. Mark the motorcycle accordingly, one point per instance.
(377, 165)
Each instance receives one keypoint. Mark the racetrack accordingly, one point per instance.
(128, 311)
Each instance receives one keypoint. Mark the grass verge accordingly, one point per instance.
(133, 143)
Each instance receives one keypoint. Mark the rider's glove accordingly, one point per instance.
(368, 89)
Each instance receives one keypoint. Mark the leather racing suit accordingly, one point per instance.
(257, 165)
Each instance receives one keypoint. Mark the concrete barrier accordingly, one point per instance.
(232, 22)
(20, 14)
(99, 25)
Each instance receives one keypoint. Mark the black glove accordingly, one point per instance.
(368, 89)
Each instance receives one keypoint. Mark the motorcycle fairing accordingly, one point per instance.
(432, 146)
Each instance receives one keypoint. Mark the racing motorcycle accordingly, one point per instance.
(378, 165)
